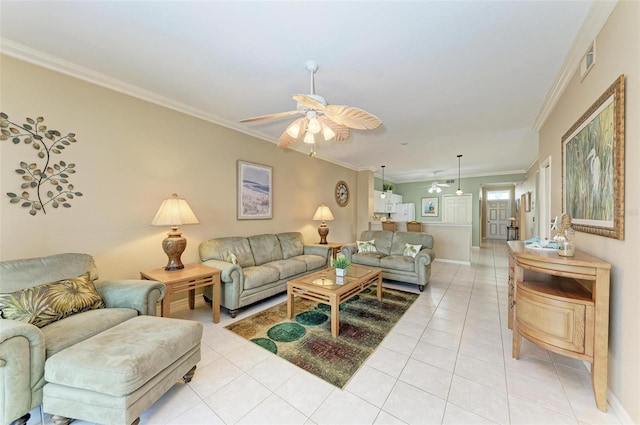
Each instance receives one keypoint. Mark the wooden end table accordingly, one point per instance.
(324, 286)
(190, 278)
(334, 246)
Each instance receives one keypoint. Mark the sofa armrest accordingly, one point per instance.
(322, 251)
(348, 250)
(226, 270)
(141, 295)
(22, 357)
(430, 255)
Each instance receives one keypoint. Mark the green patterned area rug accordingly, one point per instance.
(306, 341)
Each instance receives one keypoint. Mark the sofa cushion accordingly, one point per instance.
(312, 262)
(383, 239)
(292, 244)
(220, 248)
(400, 239)
(367, 258)
(398, 262)
(44, 304)
(67, 332)
(256, 276)
(265, 248)
(287, 268)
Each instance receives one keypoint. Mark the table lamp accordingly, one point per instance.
(323, 213)
(174, 212)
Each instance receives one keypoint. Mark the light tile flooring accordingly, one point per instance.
(448, 361)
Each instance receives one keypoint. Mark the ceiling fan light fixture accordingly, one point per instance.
(314, 125)
(309, 138)
(327, 132)
(295, 128)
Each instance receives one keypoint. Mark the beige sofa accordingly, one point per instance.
(256, 267)
(390, 255)
(25, 347)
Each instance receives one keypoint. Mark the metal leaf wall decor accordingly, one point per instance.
(45, 182)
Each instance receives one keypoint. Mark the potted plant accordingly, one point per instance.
(341, 264)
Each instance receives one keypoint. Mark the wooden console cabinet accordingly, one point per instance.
(562, 305)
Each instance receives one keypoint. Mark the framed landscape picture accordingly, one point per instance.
(593, 166)
(255, 191)
(429, 207)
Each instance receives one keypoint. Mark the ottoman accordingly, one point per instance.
(113, 377)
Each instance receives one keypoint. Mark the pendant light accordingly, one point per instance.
(459, 191)
(383, 194)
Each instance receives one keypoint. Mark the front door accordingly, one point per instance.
(497, 219)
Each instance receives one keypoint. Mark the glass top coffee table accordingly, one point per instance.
(324, 286)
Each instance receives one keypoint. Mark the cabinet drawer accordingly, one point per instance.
(555, 322)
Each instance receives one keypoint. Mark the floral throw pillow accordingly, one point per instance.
(411, 250)
(44, 304)
(367, 246)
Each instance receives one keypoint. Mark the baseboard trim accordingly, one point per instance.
(444, 260)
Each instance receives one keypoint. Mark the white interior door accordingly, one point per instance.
(457, 209)
(497, 219)
(544, 200)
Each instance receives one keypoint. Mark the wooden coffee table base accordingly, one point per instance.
(330, 294)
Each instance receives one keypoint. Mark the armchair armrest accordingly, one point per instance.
(22, 357)
(141, 295)
(348, 250)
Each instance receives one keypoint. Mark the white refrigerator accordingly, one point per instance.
(404, 212)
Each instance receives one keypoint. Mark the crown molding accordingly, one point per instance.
(593, 23)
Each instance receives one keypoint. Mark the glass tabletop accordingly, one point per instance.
(327, 278)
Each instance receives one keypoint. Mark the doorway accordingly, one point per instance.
(497, 212)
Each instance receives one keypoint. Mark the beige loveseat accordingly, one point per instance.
(390, 256)
(25, 347)
(256, 267)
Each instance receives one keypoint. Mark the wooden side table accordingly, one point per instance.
(190, 278)
(335, 247)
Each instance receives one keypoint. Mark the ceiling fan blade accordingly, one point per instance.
(352, 117)
(268, 117)
(309, 102)
(342, 132)
(285, 140)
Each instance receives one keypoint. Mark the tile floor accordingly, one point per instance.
(448, 361)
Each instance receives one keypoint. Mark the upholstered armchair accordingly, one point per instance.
(34, 327)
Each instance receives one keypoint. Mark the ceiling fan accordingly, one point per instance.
(435, 186)
(333, 121)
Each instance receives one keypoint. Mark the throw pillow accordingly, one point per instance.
(44, 304)
(367, 246)
(231, 258)
(411, 250)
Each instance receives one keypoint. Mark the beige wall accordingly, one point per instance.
(617, 47)
(130, 155)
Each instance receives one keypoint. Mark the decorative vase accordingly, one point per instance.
(341, 272)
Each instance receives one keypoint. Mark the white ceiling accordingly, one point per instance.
(445, 77)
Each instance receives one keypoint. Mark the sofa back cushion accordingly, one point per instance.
(265, 248)
(383, 239)
(292, 244)
(401, 239)
(221, 248)
(25, 273)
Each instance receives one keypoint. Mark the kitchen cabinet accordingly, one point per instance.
(561, 304)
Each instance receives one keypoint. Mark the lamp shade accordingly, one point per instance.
(323, 213)
(174, 211)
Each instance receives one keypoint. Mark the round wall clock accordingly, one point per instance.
(342, 193)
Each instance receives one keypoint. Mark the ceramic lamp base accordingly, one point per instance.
(323, 231)
(174, 245)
